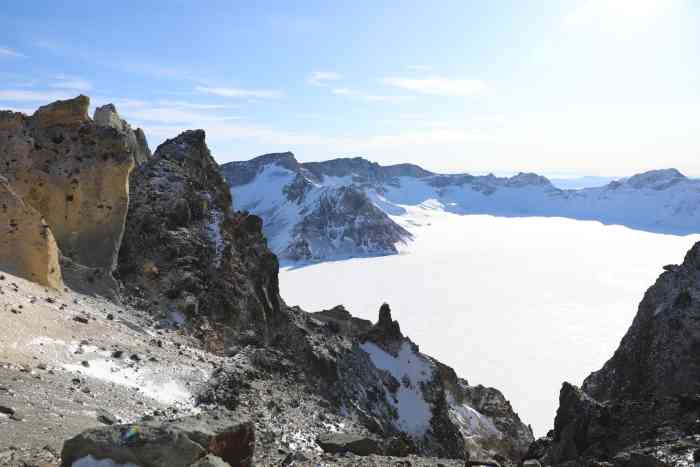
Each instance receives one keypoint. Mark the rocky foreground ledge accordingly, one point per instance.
(142, 324)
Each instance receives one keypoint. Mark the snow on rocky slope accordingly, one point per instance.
(311, 216)
(353, 207)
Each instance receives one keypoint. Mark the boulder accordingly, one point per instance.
(360, 445)
(27, 246)
(177, 444)
(140, 445)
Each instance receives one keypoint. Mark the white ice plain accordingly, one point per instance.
(520, 304)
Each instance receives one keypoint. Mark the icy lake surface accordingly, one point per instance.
(520, 304)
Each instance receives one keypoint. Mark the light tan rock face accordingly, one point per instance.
(27, 246)
(68, 112)
(75, 173)
(107, 116)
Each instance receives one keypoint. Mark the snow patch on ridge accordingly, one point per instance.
(410, 369)
(470, 421)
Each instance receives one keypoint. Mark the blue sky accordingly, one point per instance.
(598, 87)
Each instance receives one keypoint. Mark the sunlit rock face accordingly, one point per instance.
(74, 171)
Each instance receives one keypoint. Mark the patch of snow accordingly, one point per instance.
(90, 461)
(414, 412)
(44, 340)
(160, 387)
(471, 422)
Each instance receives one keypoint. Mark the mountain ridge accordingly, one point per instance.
(285, 193)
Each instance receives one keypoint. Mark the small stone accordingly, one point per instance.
(80, 319)
(105, 417)
(85, 363)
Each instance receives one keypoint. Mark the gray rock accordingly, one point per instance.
(177, 444)
(105, 417)
(142, 445)
(348, 442)
(211, 460)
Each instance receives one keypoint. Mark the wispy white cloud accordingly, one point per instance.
(321, 78)
(359, 95)
(165, 112)
(440, 86)
(20, 95)
(72, 83)
(240, 93)
(8, 52)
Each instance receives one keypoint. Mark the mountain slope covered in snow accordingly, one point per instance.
(352, 207)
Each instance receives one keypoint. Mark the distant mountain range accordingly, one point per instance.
(349, 207)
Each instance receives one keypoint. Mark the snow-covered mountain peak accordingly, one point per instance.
(656, 179)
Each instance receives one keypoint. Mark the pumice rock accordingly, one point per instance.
(74, 172)
(27, 246)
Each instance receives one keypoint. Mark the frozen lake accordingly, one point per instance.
(520, 304)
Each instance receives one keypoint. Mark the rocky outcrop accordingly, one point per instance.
(375, 376)
(644, 401)
(136, 139)
(75, 173)
(27, 246)
(187, 255)
(356, 444)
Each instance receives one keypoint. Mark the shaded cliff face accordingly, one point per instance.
(643, 405)
(27, 246)
(660, 354)
(187, 255)
(75, 173)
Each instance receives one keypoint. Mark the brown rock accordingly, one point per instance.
(11, 120)
(27, 246)
(235, 446)
(68, 112)
(74, 173)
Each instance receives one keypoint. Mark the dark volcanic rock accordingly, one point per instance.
(659, 354)
(186, 250)
(642, 408)
(345, 442)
